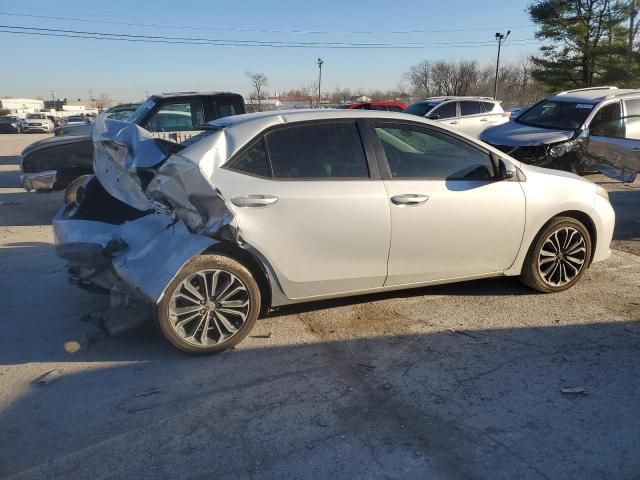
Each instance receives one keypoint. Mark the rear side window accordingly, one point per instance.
(253, 161)
(326, 150)
(470, 108)
(488, 106)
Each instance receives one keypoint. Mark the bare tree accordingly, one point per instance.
(258, 81)
(419, 77)
(102, 101)
(309, 92)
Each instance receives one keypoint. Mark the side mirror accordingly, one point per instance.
(506, 171)
(433, 116)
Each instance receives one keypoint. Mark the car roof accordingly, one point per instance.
(445, 98)
(190, 94)
(594, 94)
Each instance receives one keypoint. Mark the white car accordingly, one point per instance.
(37, 122)
(275, 208)
(470, 115)
(76, 120)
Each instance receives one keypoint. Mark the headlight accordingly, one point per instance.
(602, 192)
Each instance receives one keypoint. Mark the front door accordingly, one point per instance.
(450, 215)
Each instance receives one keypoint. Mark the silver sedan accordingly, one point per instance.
(264, 210)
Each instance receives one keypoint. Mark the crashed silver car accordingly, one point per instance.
(269, 209)
(594, 129)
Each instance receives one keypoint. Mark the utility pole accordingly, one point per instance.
(91, 97)
(632, 21)
(501, 38)
(53, 99)
(320, 62)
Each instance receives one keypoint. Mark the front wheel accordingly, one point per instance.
(558, 257)
(210, 306)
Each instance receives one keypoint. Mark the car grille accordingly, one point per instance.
(34, 124)
(526, 154)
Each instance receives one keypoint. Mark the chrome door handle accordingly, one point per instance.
(411, 199)
(453, 123)
(254, 201)
(484, 119)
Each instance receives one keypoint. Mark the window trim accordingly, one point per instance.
(384, 164)
(361, 127)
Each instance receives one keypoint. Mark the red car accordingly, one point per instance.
(388, 106)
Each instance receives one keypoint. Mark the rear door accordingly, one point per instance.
(473, 117)
(310, 200)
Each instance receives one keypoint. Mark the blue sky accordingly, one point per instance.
(35, 65)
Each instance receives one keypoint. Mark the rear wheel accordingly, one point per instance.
(211, 305)
(558, 257)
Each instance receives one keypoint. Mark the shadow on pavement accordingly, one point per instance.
(470, 404)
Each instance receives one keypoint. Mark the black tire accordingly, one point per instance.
(209, 263)
(531, 274)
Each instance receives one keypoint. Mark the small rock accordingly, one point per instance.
(343, 437)
(72, 346)
(261, 335)
(323, 422)
(49, 377)
(387, 386)
(573, 391)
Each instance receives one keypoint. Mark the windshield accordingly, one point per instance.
(557, 115)
(7, 119)
(36, 116)
(421, 109)
(75, 119)
(137, 116)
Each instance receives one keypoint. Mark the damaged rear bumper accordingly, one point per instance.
(138, 258)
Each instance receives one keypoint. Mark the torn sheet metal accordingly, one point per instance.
(147, 173)
(122, 151)
(145, 254)
(611, 157)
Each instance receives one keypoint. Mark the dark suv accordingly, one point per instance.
(53, 163)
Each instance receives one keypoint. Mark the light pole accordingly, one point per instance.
(320, 62)
(501, 38)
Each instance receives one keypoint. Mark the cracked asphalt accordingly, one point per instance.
(459, 381)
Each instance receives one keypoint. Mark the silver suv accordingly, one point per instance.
(471, 115)
(588, 129)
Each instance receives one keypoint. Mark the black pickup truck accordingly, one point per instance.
(53, 163)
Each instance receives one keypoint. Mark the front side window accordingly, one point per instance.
(606, 115)
(325, 150)
(420, 109)
(416, 152)
(627, 128)
(177, 117)
(468, 107)
(632, 106)
(446, 110)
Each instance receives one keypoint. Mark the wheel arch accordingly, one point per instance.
(583, 218)
(248, 260)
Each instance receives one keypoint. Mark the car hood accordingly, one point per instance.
(54, 142)
(518, 135)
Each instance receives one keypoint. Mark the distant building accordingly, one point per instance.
(21, 106)
(54, 104)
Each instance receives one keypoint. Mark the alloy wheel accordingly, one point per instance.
(209, 307)
(562, 256)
